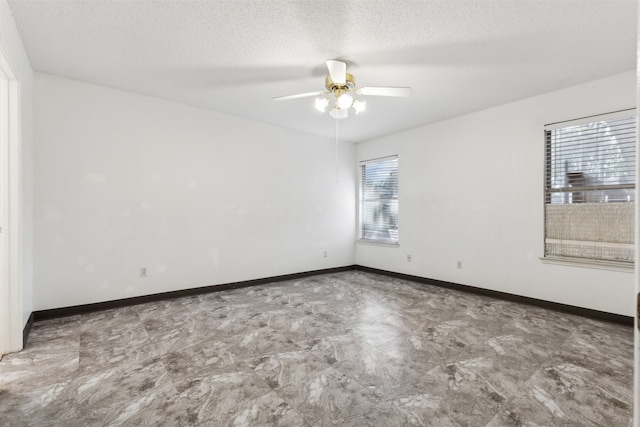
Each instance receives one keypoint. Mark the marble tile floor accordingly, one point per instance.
(349, 349)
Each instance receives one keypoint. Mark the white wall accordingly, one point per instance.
(200, 198)
(471, 189)
(12, 47)
(125, 181)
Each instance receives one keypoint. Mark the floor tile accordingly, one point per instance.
(234, 398)
(351, 349)
(322, 394)
(139, 394)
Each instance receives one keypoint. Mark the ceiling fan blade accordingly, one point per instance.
(298, 95)
(337, 71)
(385, 91)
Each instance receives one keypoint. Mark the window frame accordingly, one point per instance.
(359, 224)
(625, 266)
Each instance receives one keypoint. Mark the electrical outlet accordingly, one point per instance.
(143, 272)
(409, 258)
(325, 253)
(460, 265)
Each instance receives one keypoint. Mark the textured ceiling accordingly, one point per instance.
(234, 56)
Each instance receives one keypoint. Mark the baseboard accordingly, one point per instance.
(27, 329)
(556, 306)
(106, 305)
(87, 308)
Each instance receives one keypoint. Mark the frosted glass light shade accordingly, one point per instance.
(338, 113)
(344, 101)
(321, 104)
(359, 106)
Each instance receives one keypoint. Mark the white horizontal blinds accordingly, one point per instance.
(592, 162)
(379, 200)
(590, 188)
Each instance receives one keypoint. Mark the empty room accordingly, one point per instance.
(306, 213)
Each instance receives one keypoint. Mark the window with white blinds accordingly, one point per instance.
(590, 172)
(379, 200)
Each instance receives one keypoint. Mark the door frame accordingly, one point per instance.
(11, 285)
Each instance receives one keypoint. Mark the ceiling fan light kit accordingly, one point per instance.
(341, 86)
(359, 106)
(321, 104)
(338, 113)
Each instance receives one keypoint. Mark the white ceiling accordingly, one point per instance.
(234, 56)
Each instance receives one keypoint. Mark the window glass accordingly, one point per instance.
(379, 200)
(590, 188)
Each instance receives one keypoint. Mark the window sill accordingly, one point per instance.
(590, 263)
(378, 243)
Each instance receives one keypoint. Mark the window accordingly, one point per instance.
(590, 189)
(379, 200)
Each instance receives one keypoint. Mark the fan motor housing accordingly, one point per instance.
(350, 83)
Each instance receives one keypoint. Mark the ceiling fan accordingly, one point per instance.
(340, 88)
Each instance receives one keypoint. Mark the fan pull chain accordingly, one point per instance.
(337, 169)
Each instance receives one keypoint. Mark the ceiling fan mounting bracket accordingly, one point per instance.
(349, 84)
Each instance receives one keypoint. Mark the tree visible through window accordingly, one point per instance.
(590, 188)
(379, 200)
